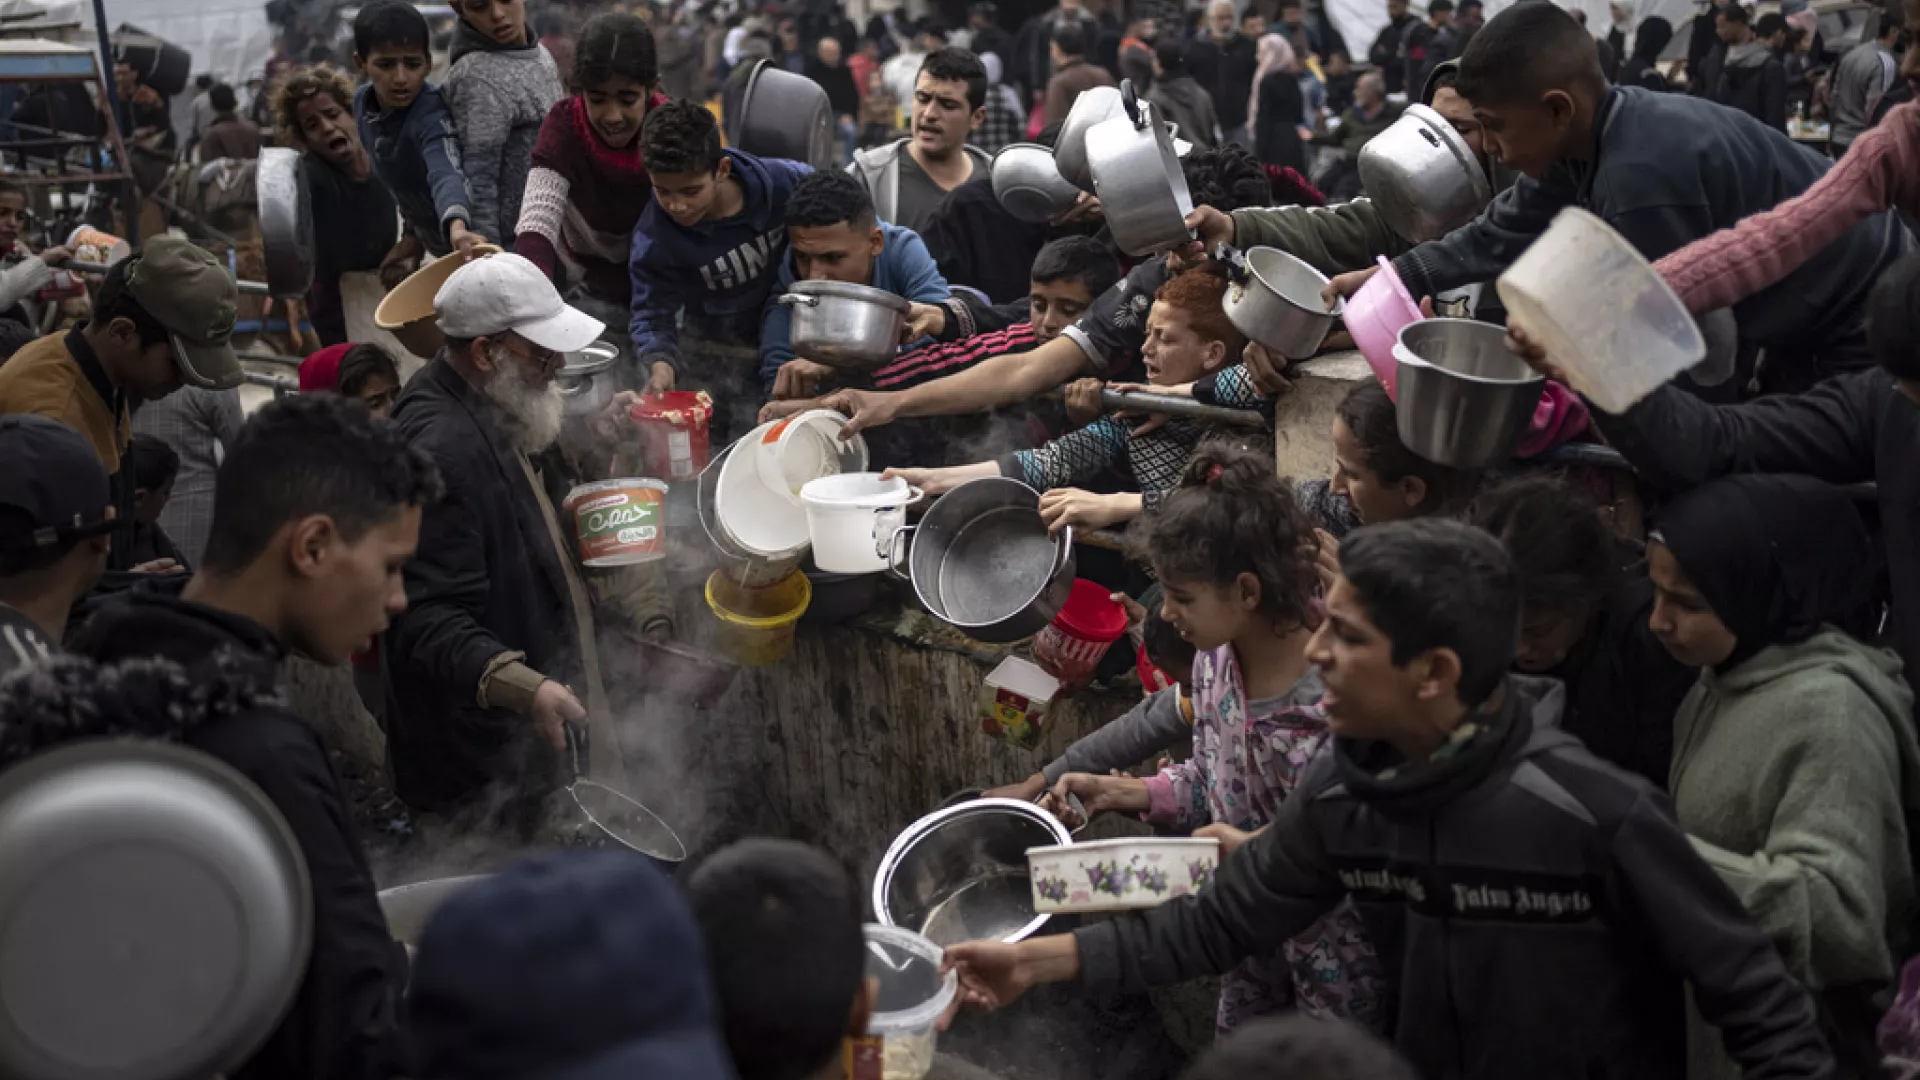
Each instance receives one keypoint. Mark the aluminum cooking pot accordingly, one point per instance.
(853, 328)
(1029, 185)
(1136, 172)
(960, 873)
(783, 115)
(587, 380)
(982, 561)
(1422, 176)
(1274, 299)
(1070, 146)
(156, 914)
(1463, 399)
(286, 221)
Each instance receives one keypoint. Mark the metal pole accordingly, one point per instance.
(110, 87)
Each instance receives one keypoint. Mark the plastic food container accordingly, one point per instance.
(1606, 319)
(913, 993)
(1376, 314)
(618, 522)
(851, 519)
(1014, 702)
(756, 625)
(763, 523)
(1119, 875)
(1072, 644)
(803, 447)
(673, 432)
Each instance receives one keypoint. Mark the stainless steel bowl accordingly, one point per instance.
(853, 328)
(587, 379)
(960, 873)
(1463, 399)
(1422, 176)
(1275, 300)
(1138, 176)
(1029, 185)
(1070, 146)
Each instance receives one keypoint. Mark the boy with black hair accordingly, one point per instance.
(1662, 169)
(55, 513)
(404, 123)
(1540, 910)
(784, 941)
(500, 83)
(833, 234)
(711, 243)
(155, 465)
(908, 178)
(318, 507)
(229, 135)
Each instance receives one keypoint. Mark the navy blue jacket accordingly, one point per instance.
(416, 154)
(720, 271)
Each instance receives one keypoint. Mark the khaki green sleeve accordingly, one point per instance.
(1331, 239)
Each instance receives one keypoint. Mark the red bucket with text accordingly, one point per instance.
(1071, 646)
(673, 432)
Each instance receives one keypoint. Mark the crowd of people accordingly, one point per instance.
(1507, 782)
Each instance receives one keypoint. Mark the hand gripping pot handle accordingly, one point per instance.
(1235, 262)
(896, 551)
(1063, 552)
(885, 529)
(790, 299)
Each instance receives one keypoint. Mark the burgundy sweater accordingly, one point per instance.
(1880, 171)
(582, 200)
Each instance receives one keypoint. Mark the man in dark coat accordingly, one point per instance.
(1750, 77)
(1223, 60)
(1384, 54)
(498, 621)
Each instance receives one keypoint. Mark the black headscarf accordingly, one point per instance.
(1776, 556)
(1649, 41)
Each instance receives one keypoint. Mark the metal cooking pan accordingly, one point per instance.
(981, 561)
(1137, 174)
(783, 115)
(286, 221)
(619, 817)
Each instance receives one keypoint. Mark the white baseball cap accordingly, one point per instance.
(499, 293)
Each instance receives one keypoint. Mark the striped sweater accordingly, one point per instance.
(582, 200)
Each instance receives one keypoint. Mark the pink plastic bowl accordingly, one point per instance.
(1376, 314)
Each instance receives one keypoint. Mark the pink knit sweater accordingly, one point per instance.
(1881, 171)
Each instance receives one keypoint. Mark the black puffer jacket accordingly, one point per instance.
(1537, 909)
(486, 581)
(159, 667)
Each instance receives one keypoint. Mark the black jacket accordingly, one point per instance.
(1851, 429)
(1539, 910)
(342, 1025)
(1226, 73)
(1667, 170)
(486, 581)
(1384, 54)
(1753, 80)
(1623, 687)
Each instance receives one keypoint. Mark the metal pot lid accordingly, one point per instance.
(286, 221)
(595, 358)
(846, 291)
(155, 917)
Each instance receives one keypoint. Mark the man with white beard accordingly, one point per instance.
(498, 635)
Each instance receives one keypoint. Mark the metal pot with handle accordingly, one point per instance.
(853, 328)
(1274, 299)
(1422, 176)
(981, 560)
(286, 221)
(1136, 172)
(783, 115)
(587, 380)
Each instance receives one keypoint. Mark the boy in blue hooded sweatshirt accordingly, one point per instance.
(711, 243)
(406, 128)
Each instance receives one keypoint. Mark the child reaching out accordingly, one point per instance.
(1231, 549)
(1188, 337)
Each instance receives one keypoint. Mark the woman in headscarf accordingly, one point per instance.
(1275, 112)
(1794, 764)
(1648, 43)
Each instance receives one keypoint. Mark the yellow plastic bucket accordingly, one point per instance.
(756, 624)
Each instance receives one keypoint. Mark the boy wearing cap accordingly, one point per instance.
(55, 514)
(500, 621)
(162, 319)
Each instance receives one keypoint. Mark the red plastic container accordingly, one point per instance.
(673, 432)
(1071, 646)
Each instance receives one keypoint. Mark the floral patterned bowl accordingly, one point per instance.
(1116, 875)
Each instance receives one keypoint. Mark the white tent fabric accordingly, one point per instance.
(1360, 21)
(229, 39)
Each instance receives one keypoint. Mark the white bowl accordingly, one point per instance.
(804, 447)
(765, 523)
(1119, 875)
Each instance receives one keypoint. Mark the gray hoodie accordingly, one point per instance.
(499, 96)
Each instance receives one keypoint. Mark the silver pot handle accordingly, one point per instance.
(790, 299)
(894, 544)
(1131, 102)
(1062, 552)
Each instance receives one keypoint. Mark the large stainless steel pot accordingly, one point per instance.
(155, 914)
(1422, 176)
(587, 381)
(286, 221)
(1463, 399)
(783, 115)
(1136, 172)
(960, 873)
(1275, 300)
(982, 561)
(853, 328)
(1029, 184)
(1070, 146)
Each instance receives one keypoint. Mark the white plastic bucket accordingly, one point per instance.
(851, 519)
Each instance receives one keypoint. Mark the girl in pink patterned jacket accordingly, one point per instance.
(1235, 556)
